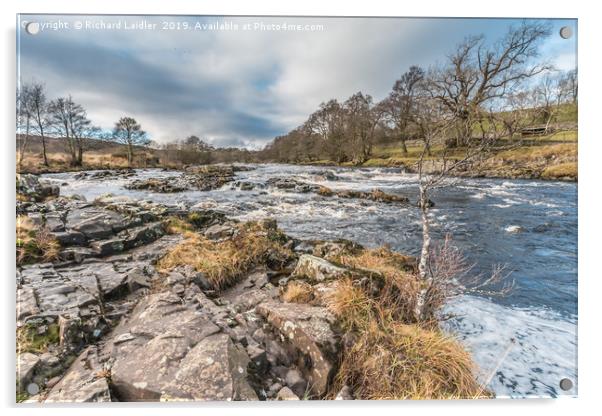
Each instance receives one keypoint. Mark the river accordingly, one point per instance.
(524, 342)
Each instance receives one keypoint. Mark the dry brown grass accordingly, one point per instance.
(393, 361)
(34, 244)
(224, 262)
(58, 162)
(175, 225)
(298, 292)
(562, 170)
(393, 356)
(390, 359)
(400, 282)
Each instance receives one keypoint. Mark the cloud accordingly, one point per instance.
(234, 87)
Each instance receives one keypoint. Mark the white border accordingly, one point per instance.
(590, 154)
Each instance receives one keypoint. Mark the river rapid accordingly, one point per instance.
(524, 342)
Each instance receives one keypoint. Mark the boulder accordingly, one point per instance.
(84, 381)
(141, 235)
(317, 269)
(215, 369)
(26, 303)
(218, 232)
(26, 366)
(96, 223)
(308, 337)
(70, 238)
(161, 331)
(108, 247)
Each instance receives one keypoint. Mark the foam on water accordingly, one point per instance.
(539, 346)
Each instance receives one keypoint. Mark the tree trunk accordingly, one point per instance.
(43, 146)
(404, 148)
(424, 255)
(23, 146)
(130, 155)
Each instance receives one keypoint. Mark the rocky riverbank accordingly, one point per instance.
(124, 300)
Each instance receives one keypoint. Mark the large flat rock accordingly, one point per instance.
(170, 350)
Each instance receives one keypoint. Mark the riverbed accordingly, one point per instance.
(524, 342)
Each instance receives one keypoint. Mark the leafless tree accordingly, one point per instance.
(478, 74)
(360, 122)
(70, 121)
(24, 118)
(435, 122)
(128, 132)
(550, 93)
(329, 124)
(400, 102)
(38, 107)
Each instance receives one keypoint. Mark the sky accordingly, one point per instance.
(238, 81)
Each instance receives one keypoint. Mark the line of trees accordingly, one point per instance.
(64, 118)
(488, 90)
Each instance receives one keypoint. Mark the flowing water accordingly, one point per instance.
(524, 342)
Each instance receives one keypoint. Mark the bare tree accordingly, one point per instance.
(360, 121)
(329, 124)
(517, 112)
(435, 122)
(550, 93)
(68, 120)
(129, 132)
(478, 74)
(400, 102)
(24, 117)
(38, 108)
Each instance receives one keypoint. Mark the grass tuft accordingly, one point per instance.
(34, 244)
(224, 262)
(298, 292)
(391, 356)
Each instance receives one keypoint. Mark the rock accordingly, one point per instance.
(295, 381)
(108, 247)
(308, 338)
(96, 223)
(70, 333)
(274, 389)
(76, 254)
(215, 369)
(317, 269)
(136, 279)
(26, 303)
(59, 293)
(258, 357)
(83, 382)
(31, 186)
(142, 235)
(217, 232)
(286, 394)
(165, 331)
(70, 238)
(26, 366)
(344, 394)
